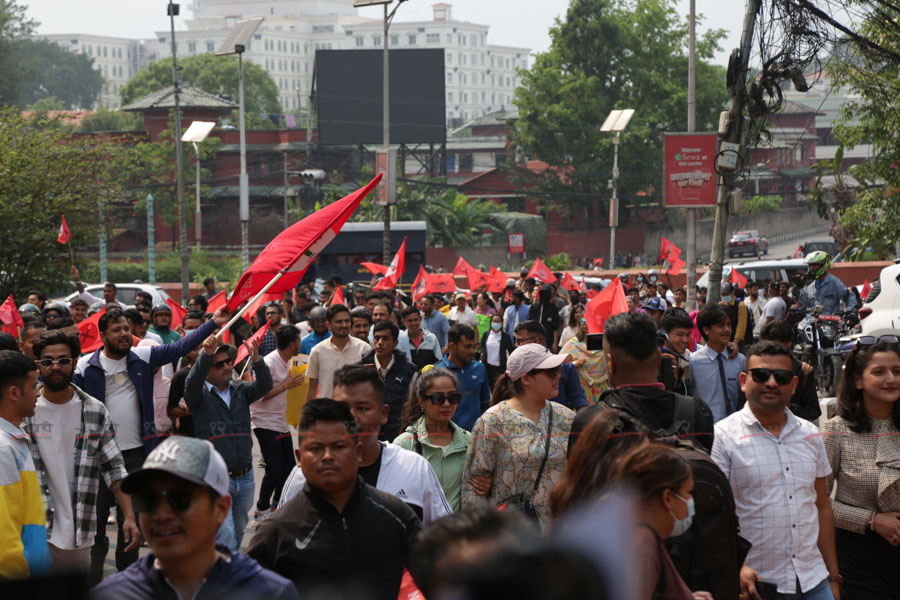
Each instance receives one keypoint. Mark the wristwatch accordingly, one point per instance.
(836, 579)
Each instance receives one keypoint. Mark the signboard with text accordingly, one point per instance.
(689, 173)
(516, 243)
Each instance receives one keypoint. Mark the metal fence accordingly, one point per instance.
(778, 239)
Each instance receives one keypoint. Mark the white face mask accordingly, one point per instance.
(682, 525)
(496, 326)
(726, 299)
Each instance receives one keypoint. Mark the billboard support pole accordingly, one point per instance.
(691, 127)
(386, 140)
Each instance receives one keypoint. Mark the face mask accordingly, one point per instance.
(682, 525)
(496, 326)
(726, 299)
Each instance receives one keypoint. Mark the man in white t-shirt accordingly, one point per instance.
(269, 420)
(776, 307)
(73, 446)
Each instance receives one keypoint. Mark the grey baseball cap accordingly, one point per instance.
(188, 458)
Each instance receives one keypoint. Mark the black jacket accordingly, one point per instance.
(506, 348)
(396, 391)
(360, 553)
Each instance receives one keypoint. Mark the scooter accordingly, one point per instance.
(818, 340)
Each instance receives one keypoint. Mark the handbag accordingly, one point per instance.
(523, 502)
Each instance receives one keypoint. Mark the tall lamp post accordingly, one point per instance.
(616, 121)
(172, 11)
(195, 134)
(389, 161)
(236, 43)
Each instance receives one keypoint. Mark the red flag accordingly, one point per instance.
(394, 273)
(338, 297)
(89, 332)
(408, 588)
(217, 301)
(11, 318)
(799, 252)
(569, 283)
(478, 279)
(441, 283)
(462, 268)
(668, 250)
(64, 233)
(375, 268)
(611, 301)
(294, 249)
(420, 285)
(267, 297)
(598, 262)
(541, 272)
(738, 279)
(863, 293)
(496, 280)
(242, 352)
(178, 313)
(675, 269)
(584, 287)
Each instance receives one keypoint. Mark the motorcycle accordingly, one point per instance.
(818, 337)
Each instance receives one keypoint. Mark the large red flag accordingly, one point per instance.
(294, 249)
(441, 283)
(178, 313)
(738, 279)
(394, 273)
(267, 297)
(668, 250)
(675, 269)
(541, 272)
(477, 279)
(11, 318)
(569, 283)
(420, 285)
(64, 233)
(89, 332)
(611, 301)
(497, 280)
(217, 301)
(375, 268)
(337, 297)
(462, 267)
(863, 293)
(242, 352)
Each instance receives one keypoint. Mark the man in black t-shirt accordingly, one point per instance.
(545, 312)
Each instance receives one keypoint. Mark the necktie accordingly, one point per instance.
(729, 405)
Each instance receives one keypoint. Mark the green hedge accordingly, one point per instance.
(168, 268)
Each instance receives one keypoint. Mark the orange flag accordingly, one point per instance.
(611, 301)
(541, 272)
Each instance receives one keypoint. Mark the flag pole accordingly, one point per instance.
(250, 303)
(71, 252)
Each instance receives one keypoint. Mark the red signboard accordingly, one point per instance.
(516, 243)
(690, 177)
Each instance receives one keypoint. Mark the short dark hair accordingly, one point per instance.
(459, 331)
(709, 315)
(767, 349)
(410, 310)
(110, 284)
(194, 314)
(78, 302)
(134, 315)
(361, 312)
(531, 326)
(59, 323)
(201, 300)
(273, 304)
(676, 318)
(8, 342)
(113, 314)
(632, 333)
(41, 296)
(334, 310)
(14, 368)
(387, 324)
(777, 331)
(326, 410)
(52, 338)
(285, 336)
(31, 324)
(208, 281)
(356, 374)
(751, 283)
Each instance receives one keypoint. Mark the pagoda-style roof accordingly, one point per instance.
(189, 97)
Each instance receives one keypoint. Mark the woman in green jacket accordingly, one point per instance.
(428, 430)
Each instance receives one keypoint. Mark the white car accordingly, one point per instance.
(125, 293)
(761, 271)
(880, 313)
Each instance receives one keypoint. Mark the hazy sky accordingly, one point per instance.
(527, 27)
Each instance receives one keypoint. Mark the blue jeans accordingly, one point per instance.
(231, 532)
(821, 592)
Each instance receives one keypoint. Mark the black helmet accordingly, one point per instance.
(160, 308)
(317, 313)
(29, 308)
(58, 307)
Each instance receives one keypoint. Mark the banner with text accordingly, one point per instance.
(690, 176)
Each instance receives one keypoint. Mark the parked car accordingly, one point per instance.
(825, 245)
(125, 293)
(761, 271)
(747, 242)
(880, 313)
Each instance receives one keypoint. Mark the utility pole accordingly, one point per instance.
(733, 133)
(691, 127)
(179, 165)
(386, 140)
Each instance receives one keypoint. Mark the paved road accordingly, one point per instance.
(778, 251)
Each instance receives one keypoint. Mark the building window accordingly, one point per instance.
(376, 40)
(466, 161)
(395, 40)
(449, 59)
(449, 77)
(449, 38)
(473, 40)
(210, 46)
(412, 39)
(433, 38)
(192, 46)
(360, 41)
(449, 96)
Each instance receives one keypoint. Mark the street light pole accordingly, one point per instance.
(243, 179)
(386, 138)
(617, 121)
(179, 162)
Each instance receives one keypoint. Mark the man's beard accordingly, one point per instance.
(58, 384)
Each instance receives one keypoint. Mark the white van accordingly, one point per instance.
(761, 271)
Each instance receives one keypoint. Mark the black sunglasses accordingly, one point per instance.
(438, 398)
(554, 372)
(223, 363)
(782, 376)
(49, 362)
(178, 500)
(870, 340)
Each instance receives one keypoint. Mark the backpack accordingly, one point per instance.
(683, 421)
(710, 555)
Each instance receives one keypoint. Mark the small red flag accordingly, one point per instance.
(477, 279)
(799, 252)
(375, 268)
(89, 332)
(217, 301)
(441, 283)
(267, 297)
(338, 297)
(497, 281)
(420, 285)
(11, 318)
(863, 293)
(462, 268)
(675, 269)
(178, 313)
(64, 233)
(668, 250)
(570, 283)
(598, 262)
(541, 272)
(611, 301)
(242, 352)
(738, 279)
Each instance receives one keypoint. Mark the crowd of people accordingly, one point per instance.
(442, 442)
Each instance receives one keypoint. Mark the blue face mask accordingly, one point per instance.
(682, 525)
(496, 326)
(726, 299)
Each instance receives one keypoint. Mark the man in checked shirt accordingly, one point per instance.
(776, 465)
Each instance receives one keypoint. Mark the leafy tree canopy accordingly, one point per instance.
(14, 26)
(605, 55)
(48, 71)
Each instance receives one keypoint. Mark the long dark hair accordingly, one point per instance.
(412, 410)
(850, 399)
(505, 388)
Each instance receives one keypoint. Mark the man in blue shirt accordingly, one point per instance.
(714, 376)
(571, 394)
(320, 332)
(826, 290)
(472, 376)
(434, 320)
(515, 313)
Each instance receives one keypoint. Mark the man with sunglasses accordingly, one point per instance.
(777, 467)
(571, 394)
(181, 495)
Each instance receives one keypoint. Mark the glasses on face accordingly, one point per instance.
(782, 376)
(438, 398)
(49, 362)
(870, 340)
(223, 363)
(178, 500)
(552, 373)
(528, 340)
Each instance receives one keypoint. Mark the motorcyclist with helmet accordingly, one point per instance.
(825, 290)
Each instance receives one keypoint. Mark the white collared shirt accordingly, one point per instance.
(326, 358)
(383, 371)
(224, 395)
(773, 481)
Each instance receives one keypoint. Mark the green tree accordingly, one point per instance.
(112, 120)
(14, 26)
(49, 71)
(216, 75)
(609, 54)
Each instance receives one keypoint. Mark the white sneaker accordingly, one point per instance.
(263, 515)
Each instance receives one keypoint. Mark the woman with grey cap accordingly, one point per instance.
(519, 444)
